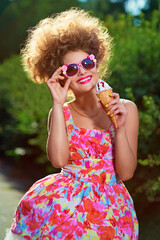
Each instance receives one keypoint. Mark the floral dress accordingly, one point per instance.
(87, 200)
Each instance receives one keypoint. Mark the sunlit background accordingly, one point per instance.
(24, 106)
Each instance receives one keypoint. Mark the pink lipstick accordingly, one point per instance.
(84, 80)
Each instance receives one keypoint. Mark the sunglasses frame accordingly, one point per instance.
(65, 67)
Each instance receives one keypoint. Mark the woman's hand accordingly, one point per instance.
(118, 109)
(58, 93)
(126, 137)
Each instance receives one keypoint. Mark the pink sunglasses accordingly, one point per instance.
(69, 70)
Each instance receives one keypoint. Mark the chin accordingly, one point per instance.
(90, 87)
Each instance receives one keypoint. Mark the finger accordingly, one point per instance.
(52, 80)
(58, 70)
(118, 111)
(115, 95)
(111, 112)
(67, 83)
(121, 109)
(112, 102)
(61, 77)
(117, 108)
(113, 108)
(56, 73)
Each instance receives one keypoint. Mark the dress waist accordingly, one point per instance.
(92, 170)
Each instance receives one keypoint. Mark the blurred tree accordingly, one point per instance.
(23, 117)
(135, 75)
(24, 108)
(3, 5)
(147, 7)
(101, 8)
(19, 15)
(150, 6)
(16, 16)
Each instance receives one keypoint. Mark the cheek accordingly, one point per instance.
(94, 73)
(73, 84)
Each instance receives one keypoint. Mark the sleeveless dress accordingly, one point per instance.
(86, 200)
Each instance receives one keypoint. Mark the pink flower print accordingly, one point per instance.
(106, 232)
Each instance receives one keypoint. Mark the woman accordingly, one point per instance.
(88, 199)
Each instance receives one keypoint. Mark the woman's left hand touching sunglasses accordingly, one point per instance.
(58, 92)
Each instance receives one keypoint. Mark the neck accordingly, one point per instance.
(87, 102)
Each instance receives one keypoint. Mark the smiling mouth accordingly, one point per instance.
(84, 80)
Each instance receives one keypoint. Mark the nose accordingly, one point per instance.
(81, 70)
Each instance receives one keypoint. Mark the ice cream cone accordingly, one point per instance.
(104, 97)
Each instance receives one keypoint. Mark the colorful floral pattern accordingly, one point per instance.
(87, 200)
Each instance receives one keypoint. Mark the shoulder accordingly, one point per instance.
(131, 106)
(128, 102)
(132, 120)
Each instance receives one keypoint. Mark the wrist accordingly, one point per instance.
(57, 107)
(121, 130)
(57, 104)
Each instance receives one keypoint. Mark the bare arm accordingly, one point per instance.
(126, 144)
(126, 136)
(57, 143)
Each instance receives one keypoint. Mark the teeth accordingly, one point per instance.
(84, 80)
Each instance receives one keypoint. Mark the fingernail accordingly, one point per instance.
(62, 77)
(111, 115)
(108, 112)
(106, 105)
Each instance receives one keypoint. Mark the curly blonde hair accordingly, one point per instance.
(53, 37)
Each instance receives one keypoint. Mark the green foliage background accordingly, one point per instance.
(135, 67)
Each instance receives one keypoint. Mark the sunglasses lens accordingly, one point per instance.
(88, 64)
(72, 70)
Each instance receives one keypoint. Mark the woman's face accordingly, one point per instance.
(85, 80)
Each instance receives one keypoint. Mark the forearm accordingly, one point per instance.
(125, 159)
(57, 143)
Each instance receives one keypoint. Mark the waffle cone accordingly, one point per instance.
(105, 98)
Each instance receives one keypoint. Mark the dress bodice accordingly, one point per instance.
(91, 152)
(88, 143)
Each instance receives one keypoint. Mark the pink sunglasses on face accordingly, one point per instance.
(69, 70)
